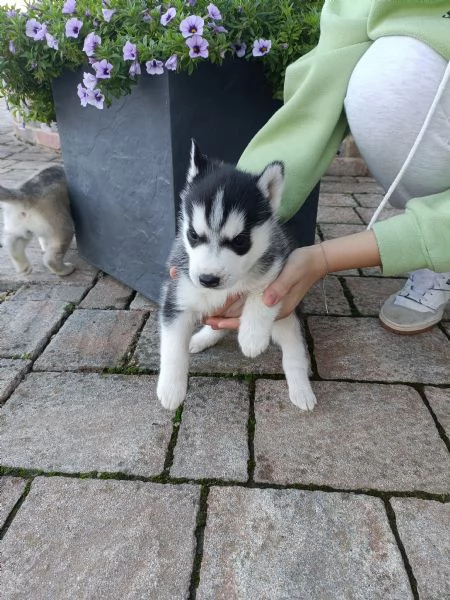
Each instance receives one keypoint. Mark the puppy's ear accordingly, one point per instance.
(271, 184)
(198, 164)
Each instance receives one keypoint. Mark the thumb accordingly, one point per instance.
(281, 286)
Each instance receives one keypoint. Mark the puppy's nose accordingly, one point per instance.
(209, 281)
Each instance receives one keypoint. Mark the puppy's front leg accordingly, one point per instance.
(173, 375)
(256, 325)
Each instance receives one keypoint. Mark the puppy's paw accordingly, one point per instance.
(67, 269)
(253, 342)
(205, 338)
(301, 394)
(24, 268)
(171, 393)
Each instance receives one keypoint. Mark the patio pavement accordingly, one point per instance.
(239, 495)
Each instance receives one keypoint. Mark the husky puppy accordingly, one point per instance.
(229, 242)
(41, 208)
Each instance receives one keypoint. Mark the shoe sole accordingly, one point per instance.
(394, 328)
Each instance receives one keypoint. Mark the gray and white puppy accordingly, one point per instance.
(40, 207)
(229, 242)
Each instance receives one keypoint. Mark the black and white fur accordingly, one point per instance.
(229, 242)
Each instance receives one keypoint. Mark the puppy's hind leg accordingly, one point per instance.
(54, 258)
(16, 244)
(205, 338)
(176, 332)
(288, 335)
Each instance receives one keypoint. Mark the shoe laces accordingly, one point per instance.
(423, 282)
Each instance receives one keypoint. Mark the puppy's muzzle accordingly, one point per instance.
(209, 281)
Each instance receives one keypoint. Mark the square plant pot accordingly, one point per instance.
(126, 165)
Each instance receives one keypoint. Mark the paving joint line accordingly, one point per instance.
(14, 511)
(199, 534)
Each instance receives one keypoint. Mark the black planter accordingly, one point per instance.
(126, 164)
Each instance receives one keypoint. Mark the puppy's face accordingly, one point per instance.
(227, 219)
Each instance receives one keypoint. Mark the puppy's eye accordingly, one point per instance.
(240, 241)
(192, 234)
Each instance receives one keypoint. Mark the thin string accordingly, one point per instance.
(327, 266)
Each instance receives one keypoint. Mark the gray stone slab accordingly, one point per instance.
(359, 436)
(212, 441)
(140, 302)
(61, 292)
(366, 214)
(439, 400)
(369, 200)
(11, 372)
(225, 357)
(424, 528)
(295, 545)
(25, 327)
(327, 199)
(67, 422)
(351, 185)
(91, 339)
(11, 489)
(107, 293)
(86, 539)
(338, 214)
(369, 293)
(327, 293)
(360, 349)
(83, 274)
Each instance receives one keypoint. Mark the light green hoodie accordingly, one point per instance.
(306, 132)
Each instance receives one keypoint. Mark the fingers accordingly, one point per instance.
(221, 323)
(282, 285)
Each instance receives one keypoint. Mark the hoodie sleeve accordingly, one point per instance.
(418, 238)
(306, 132)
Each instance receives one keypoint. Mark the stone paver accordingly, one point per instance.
(366, 214)
(369, 200)
(107, 293)
(360, 349)
(439, 400)
(326, 294)
(424, 528)
(361, 185)
(337, 200)
(369, 293)
(212, 441)
(225, 357)
(67, 422)
(100, 539)
(289, 544)
(11, 372)
(71, 294)
(140, 302)
(359, 436)
(25, 327)
(91, 339)
(11, 489)
(338, 214)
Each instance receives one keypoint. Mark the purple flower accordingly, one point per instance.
(35, 30)
(73, 27)
(102, 69)
(82, 94)
(192, 2)
(51, 41)
(96, 98)
(129, 51)
(69, 7)
(284, 46)
(192, 25)
(89, 81)
(219, 29)
(11, 47)
(87, 13)
(214, 12)
(154, 67)
(168, 16)
(11, 13)
(240, 48)
(108, 13)
(146, 17)
(91, 41)
(261, 47)
(135, 69)
(198, 47)
(171, 63)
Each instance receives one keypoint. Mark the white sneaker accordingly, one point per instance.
(419, 305)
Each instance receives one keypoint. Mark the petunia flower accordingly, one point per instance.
(192, 25)
(35, 30)
(261, 47)
(83, 94)
(96, 98)
(214, 12)
(146, 17)
(69, 7)
(168, 16)
(135, 69)
(12, 47)
(91, 42)
(240, 48)
(51, 41)
(11, 13)
(89, 81)
(198, 47)
(154, 67)
(108, 13)
(102, 69)
(219, 29)
(171, 63)
(73, 27)
(129, 51)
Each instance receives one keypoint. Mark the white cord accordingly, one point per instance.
(413, 150)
